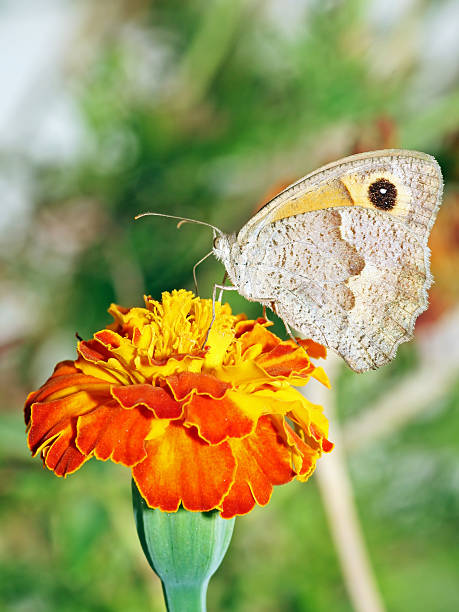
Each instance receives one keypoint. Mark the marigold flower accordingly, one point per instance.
(212, 427)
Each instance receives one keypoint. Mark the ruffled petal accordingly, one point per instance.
(311, 420)
(157, 399)
(246, 374)
(65, 380)
(251, 333)
(49, 419)
(304, 455)
(244, 325)
(185, 383)
(111, 432)
(285, 360)
(62, 456)
(262, 461)
(93, 350)
(320, 375)
(219, 420)
(237, 413)
(180, 468)
(109, 339)
(313, 349)
(52, 431)
(52, 413)
(110, 357)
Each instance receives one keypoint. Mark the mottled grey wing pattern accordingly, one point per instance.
(353, 277)
(340, 288)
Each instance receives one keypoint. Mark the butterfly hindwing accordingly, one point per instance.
(356, 284)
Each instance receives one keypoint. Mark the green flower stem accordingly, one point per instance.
(190, 597)
(184, 549)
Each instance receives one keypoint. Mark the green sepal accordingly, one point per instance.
(184, 549)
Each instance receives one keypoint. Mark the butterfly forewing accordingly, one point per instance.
(404, 184)
(341, 255)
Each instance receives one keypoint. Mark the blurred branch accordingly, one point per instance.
(438, 372)
(209, 48)
(338, 500)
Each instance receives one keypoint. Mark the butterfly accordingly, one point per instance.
(341, 255)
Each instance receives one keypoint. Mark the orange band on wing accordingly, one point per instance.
(328, 196)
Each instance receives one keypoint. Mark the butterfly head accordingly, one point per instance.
(226, 249)
(222, 246)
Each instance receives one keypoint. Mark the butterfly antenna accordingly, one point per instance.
(194, 270)
(181, 219)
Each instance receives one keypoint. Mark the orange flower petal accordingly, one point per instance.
(52, 431)
(157, 399)
(262, 461)
(285, 360)
(325, 444)
(243, 325)
(306, 454)
(108, 338)
(257, 335)
(313, 349)
(62, 456)
(184, 383)
(319, 374)
(65, 380)
(182, 469)
(111, 432)
(93, 350)
(51, 414)
(219, 420)
(55, 418)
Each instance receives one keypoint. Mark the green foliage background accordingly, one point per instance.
(200, 109)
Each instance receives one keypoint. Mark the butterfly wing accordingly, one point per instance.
(342, 254)
(412, 182)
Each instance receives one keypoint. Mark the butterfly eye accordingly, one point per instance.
(382, 194)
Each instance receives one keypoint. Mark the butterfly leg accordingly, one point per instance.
(289, 332)
(214, 296)
(273, 308)
(265, 316)
(292, 337)
(225, 276)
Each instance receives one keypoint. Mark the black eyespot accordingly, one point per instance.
(383, 194)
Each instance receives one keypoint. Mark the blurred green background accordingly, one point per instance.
(205, 110)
